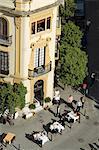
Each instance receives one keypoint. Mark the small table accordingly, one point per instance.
(9, 138)
(74, 116)
(58, 126)
(41, 137)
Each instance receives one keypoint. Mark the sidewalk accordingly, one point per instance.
(41, 118)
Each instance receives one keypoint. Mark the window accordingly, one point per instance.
(3, 28)
(33, 28)
(41, 25)
(48, 22)
(39, 57)
(4, 63)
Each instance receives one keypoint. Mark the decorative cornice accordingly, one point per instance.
(13, 12)
(41, 40)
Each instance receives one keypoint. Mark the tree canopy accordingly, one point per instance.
(71, 35)
(73, 60)
(67, 10)
(73, 66)
(12, 96)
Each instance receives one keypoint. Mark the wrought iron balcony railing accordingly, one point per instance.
(3, 72)
(40, 70)
(5, 40)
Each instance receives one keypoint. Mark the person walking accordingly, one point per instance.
(79, 105)
(70, 100)
(58, 111)
(85, 88)
(82, 101)
(84, 106)
(92, 79)
(88, 23)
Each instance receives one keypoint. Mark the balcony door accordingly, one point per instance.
(39, 57)
(3, 28)
(38, 91)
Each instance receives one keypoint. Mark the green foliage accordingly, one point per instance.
(73, 66)
(67, 10)
(12, 96)
(6, 96)
(73, 60)
(20, 92)
(32, 106)
(71, 35)
(47, 99)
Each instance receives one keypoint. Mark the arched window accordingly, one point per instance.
(3, 28)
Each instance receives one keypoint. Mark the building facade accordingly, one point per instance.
(29, 30)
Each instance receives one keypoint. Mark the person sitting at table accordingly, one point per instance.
(78, 114)
(69, 118)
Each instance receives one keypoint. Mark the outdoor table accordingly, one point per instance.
(73, 116)
(58, 126)
(9, 138)
(41, 137)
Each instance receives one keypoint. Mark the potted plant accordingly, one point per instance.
(32, 106)
(47, 101)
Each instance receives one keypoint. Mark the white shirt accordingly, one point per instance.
(79, 103)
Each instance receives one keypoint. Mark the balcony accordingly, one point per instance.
(40, 70)
(4, 73)
(5, 40)
(58, 26)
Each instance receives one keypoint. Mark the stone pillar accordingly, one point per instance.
(17, 45)
(25, 46)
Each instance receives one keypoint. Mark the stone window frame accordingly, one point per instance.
(5, 26)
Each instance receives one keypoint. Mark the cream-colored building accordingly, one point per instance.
(29, 30)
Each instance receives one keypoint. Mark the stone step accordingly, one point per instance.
(38, 109)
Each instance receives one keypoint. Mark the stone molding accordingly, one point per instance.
(13, 12)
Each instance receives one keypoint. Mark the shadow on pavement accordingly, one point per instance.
(30, 137)
(96, 106)
(96, 145)
(51, 111)
(92, 147)
(47, 127)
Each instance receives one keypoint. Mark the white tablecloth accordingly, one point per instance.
(41, 137)
(74, 116)
(57, 125)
